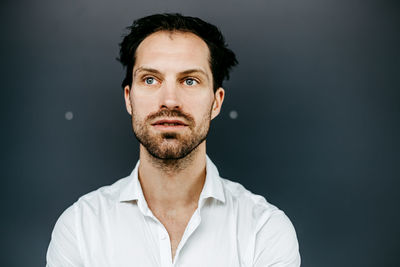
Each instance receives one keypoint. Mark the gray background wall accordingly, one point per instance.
(317, 132)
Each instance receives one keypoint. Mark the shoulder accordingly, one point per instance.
(256, 205)
(65, 247)
(103, 197)
(93, 202)
(272, 237)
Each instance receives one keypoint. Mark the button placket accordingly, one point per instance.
(191, 227)
(165, 247)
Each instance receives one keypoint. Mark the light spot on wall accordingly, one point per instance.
(69, 115)
(233, 114)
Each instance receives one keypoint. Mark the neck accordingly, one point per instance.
(172, 184)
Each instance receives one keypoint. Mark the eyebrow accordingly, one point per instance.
(186, 72)
(146, 69)
(194, 71)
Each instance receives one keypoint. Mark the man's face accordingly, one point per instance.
(171, 99)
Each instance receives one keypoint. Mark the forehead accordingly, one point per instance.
(176, 50)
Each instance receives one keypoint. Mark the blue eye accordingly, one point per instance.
(190, 82)
(149, 80)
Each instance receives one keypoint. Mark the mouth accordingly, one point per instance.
(167, 124)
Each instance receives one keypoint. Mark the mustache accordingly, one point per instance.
(165, 113)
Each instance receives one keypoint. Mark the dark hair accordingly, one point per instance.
(222, 59)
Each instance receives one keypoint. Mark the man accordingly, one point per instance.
(174, 209)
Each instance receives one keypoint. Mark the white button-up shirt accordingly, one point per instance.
(114, 227)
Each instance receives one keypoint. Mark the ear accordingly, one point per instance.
(128, 104)
(218, 100)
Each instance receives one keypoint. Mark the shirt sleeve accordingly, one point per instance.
(276, 243)
(63, 250)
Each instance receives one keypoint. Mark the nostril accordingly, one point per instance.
(172, 106)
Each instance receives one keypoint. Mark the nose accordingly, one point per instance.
(169, 97)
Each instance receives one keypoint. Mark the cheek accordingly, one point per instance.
(200, 109)
(142, 105)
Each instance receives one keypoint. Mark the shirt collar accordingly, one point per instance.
(212, 186)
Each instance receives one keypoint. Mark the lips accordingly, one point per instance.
(169, 122)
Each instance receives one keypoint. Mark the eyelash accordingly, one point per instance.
(191, 78)
(183, 80)
(149, 77)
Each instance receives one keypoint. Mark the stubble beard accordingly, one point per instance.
(172, 149)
